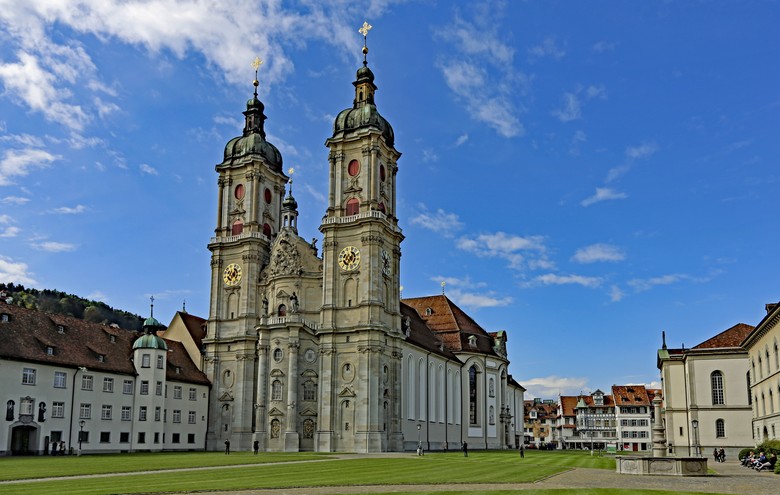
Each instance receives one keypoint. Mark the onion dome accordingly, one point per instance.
(252, 141)
(150, 340)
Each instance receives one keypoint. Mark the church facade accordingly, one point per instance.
(316, 351)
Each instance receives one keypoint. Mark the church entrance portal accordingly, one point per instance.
(23, 440)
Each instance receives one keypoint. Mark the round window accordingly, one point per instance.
(353, 168)
(278, 354)
(267, 195)
(382, 173)
(239, 192)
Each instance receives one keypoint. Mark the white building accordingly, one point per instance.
(117, 390)
(764, 355)
(706, 395)
(633, 417)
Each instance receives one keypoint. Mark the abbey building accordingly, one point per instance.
(311, 350)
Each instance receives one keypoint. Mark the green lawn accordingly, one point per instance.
(273, 471)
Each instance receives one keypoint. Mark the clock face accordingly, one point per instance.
(385, 263)
(349, 258)
(232, 275)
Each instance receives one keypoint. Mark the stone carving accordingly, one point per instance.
(285, 259)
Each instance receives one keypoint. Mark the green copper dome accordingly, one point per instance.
(363, 114)
(150, 341)
(253, 142)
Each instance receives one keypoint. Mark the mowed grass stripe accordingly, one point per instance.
(431, 469)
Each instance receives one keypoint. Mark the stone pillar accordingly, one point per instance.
(291, 443)
(659, 440)
(261, 396)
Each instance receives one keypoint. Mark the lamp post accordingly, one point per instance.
(695, 424)
(419, 441)
(81, 434)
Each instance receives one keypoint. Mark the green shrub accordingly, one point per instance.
(769, 447)
(744, 453)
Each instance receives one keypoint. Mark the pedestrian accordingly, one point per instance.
(465, 449)
(62, 447)
(522, 451)
(54, 448)
(256, 446)
(227, 447)
(722, 455)
(715, 455)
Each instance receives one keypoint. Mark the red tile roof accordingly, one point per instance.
(29, 332)
(451, 324)
(731, 337)
(630, 395)
(196, 326)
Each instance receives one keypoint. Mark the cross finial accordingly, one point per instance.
(443, 284)
(290, 172)
(364, 31)
(151, 298)
(256, 63)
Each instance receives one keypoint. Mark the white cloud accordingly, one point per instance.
(461, 140)
(595, 92)
(15, 272)
(554, 279)
(429, 155)
(55, 247)
(615, 293)
(10, 231)
(603, 46)
(547, 48)
(640, 285)
(18, 163)
(148, 169)
(15, 200)
(315, 193)
(439, 221)
(633, 153)
(598, 252)
(570, 109)
(513, 248)
(603, 194)
(97, 296)
(5, 219)
(67, 210)
(550, 387)
(464, 293)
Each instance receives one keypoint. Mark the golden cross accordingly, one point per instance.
(290, 170)
(256, 64)
(365, 29)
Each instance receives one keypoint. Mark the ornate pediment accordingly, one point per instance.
(347, 392)
(308, 412)
(285, 258)
(277, 372)
(275, 412)
(310, 374)
(225, 397)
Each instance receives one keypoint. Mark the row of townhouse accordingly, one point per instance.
(96, 388)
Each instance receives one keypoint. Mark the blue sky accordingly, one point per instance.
(583, 175)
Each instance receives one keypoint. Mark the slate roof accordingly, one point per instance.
(28, 334)
(451, 324)
(630, 395)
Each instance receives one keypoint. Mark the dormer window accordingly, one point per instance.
(101, 358)
(178, 370)
(473, 340)
(5, 317)
(112, 338)
(49, 351)
(60, 329)
(428, 311)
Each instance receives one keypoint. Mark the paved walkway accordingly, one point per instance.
(731, 477)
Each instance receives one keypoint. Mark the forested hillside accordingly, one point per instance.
(54, 301)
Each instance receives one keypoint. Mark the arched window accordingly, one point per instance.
(473, 395)
(771, 402)
(768, 367)
(411, 393)
(716, 380)
(353, 206)
(777, 358)
(720, 428)
(238, 227)
(282, 311)
(276, 428)
(491, 416)
(267, 196)
(276, 390)
(491, 388)
(382, 207)
(309, 390)
(278, 354)
(381, 172)
(750, 396)
(760, 366)
(308, 428)
(428, 311)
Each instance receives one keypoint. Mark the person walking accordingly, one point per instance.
(465, 449)
(256, 446)
(227, 447)
(522, 451)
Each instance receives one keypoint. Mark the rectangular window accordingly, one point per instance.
(141, 437)
(26, 407)
(105, 437)
(175, 438)
(160, 362)
(60, 379)
(127, 413)
(127, 387)
(190, 438)
(124, 437)
(157, 413)
(191, 417)
(108, 385)
(144, 387)
(84, 435)
(145, 361)
(142, 414)
(105, 412)
(86, 382)
(177, 392)
(57, 409)
(156, 437)
(28, 376)
(176, 416)
(193, 394)
(158, 388)
(85, 411)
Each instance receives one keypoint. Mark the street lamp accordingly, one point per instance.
(81, 434)
(419, 441)
(695, 424)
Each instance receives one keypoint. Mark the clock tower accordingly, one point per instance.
(360, 333)
(249, 210)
